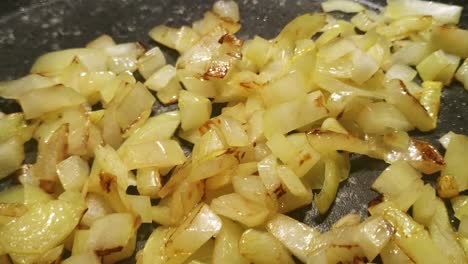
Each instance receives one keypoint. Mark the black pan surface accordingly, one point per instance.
(29, 28)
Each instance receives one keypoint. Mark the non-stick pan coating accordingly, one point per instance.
(29, 28)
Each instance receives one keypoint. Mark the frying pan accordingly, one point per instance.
(29, 28)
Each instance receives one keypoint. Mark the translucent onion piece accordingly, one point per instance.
(462, 74)
(444, 37)
(295, 236)
(11, 156)
(41, 101)
(443, 13)
(345, 6)
(261, 247)
(54, 220)
(454, 154)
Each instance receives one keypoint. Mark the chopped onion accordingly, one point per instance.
(345, 6)
(443, 13)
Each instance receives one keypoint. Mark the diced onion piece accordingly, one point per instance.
(339, 88)
(161, 214)
(109, 162)
(438, 66)
(200, 225)
(239, 209)
(14, 89)
(422, 156)
(101, 42)
(161, 153)
(149, 181)
(443, 13)
(125, 50)
(430, 98)
(445, 139)
(443, 235)
(11, 156)
(262, 247)
(170, 93)
(179, 39)
(378, 118)
(197, 85)
(41, 101)
(412, 53)
(53, 62)
(150, 62)
(203, 255)
(226, 248)
(295, 236)
(256, 50)
(398, 96)
(227, 9)
(412, 238)
(451, 39)
(194, 110)
(212, 165)
(373, 236)
(331, 124)
(73, 173)
(110, 129)
(141, 206)
(288, 202)
(460, 206)
(287, 88)
(282, 148)
(364, 66)
(233, 132)
(462, 74)
(401, 72)
(186, 195)
(78, 130)
(252, 188)
(454, 158)
(327, 140)
(403, 27)
(210, 143)
(292, 183)
(392, 253)
(154, 250)
(14, 125)
(399, 183)
(267, 169)
(346, 6)
(363, 21)
(54, 220)
(286, 117)
(336, 50)
(211, 21)
(97, 208)
(50, 153)
(301, 27)
(49, 256)
(463, 227)
(326, 196)
(110, 233)
(128, 113)
(161, 78)
(158, 127)
(447, 186)
(33, 195)
(423, 209)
